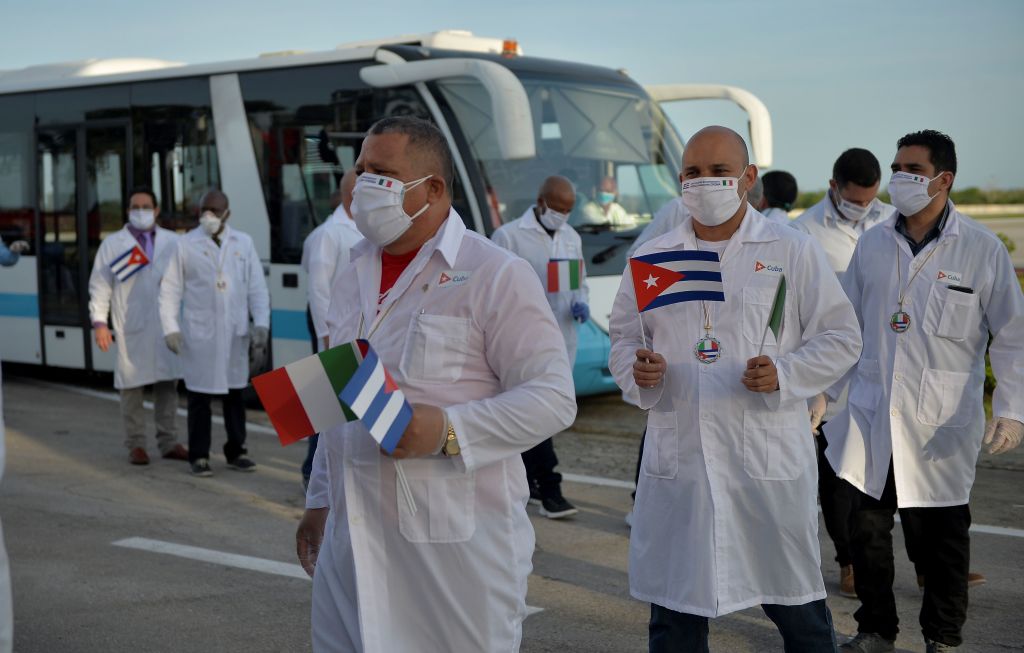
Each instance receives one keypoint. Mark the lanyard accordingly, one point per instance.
(899, 273)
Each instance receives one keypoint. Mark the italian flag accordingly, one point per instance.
(301, 398)
(565, 274)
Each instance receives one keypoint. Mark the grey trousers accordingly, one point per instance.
(165, 399)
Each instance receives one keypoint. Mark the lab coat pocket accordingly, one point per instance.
(199, 324)
(436, 348)
(866, 387)
(445, 502)
(661, 446)
(757, 306)
(952, 313)
(772, 444)
(944, 399)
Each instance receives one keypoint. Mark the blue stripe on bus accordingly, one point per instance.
(289, 325)
(14, 304)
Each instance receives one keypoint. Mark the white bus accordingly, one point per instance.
(276, 132)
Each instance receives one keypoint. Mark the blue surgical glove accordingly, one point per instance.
(580, 312)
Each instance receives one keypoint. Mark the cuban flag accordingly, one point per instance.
(377, 401)
(127, 264)
(671, 277)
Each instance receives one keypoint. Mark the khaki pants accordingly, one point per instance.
(165, 398)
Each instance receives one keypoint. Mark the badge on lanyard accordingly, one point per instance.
(222, 285)
(707, 349)
(900, 321)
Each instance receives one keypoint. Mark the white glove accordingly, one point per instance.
(260, 335)
(1003, 434)
(173, 341)
(816, 407)
(19, 246)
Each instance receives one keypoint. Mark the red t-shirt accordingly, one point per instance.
(391, 267)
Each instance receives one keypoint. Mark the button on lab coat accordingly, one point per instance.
(134, 307)
(325, 251)
(916, 397)
(526, 238)
(725, 514)
(214, 323)
(465, 327)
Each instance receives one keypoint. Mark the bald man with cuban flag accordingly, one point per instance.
(723, 328)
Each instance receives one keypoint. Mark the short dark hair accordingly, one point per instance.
(779, 189)
(143, 190)
(423, 134)
(941, 150)
(856, 166)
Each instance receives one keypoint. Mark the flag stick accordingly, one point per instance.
(406, 490)
(643, 330)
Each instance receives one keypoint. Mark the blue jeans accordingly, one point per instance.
(307, 465)
(805, 628)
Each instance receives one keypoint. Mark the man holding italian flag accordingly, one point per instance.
(544, 238)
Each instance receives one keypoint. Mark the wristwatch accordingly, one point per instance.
(451, 443)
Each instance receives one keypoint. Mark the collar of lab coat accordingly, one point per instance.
(950, 230)
(342, 217)
(751, 230)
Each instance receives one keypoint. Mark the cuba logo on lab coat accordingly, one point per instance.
(945, 276)
(451, 278)
(767, 266)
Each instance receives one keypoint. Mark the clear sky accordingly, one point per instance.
(833, 74)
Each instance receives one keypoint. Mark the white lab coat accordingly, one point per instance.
(526, 238)
(725, 515)
(483, 345)
(916, 397)
(214, 323)
(6, 604)
(668, 217)
(776, 215)
(837, 235)
(134, 307)
(324, 252)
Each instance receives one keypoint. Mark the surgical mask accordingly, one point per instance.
(909, 192)
(553, 220)
(849, 210)
(377, 207)
(712, 200)
(142, 219)
(605, 198)
(210, 223)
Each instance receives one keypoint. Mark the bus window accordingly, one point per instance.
(17, 215)
(58, 212)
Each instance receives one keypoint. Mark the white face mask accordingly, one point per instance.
(210, 223)
(377, 207)
(712, 200)
(142, 219)
(849, 210)
(909, 192)
(553, 220)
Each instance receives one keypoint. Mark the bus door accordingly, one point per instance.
(84, 173)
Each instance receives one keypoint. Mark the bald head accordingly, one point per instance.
(213, 200)
(558, 194)
(715, 152)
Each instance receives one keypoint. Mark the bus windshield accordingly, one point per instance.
(612, 141)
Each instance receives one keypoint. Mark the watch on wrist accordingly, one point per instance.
(451, 443)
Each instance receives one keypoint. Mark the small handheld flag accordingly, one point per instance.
(301, 398)
(778, 310)
(127, 264)
(671, 277)
(375, 398)
(565, 274)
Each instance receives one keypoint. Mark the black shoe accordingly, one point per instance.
(242, 464)
(201, 467)
(554, 506)
(536, 498)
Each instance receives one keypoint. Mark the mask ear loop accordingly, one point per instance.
(410, 186)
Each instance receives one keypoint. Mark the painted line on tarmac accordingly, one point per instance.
(250, 563)
(574, 478)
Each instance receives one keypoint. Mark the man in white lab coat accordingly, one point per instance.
(725, 514)
(542, 235)
(326, 250)
(213, 284)
(850, 207)
(128, 291)
(465, 330)
(929, 285)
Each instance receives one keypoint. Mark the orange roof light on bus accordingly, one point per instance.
(509, 48)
